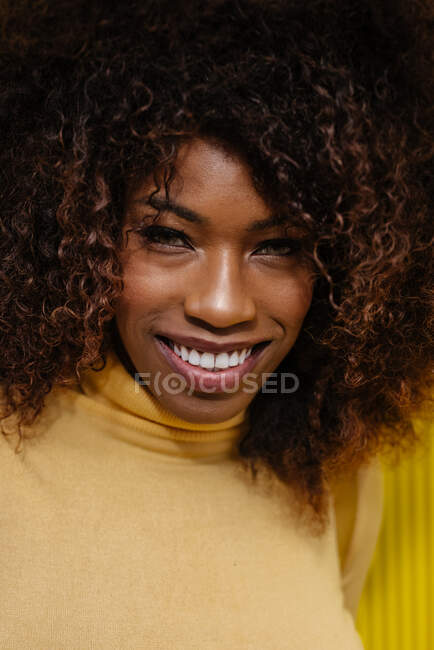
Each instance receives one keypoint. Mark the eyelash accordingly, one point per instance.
(153, 234)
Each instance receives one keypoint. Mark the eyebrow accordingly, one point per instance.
(193, 217)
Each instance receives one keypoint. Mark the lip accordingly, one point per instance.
(201, 345)
(203, 380)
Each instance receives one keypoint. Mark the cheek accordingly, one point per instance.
(147, 289)
(289, 301)
(303, 293)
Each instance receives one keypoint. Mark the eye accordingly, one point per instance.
(164, 236)
(279, 247)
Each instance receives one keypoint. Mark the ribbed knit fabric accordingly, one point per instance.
(124, 527)
(397, 606)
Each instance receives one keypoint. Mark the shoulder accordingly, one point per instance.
(358, 503)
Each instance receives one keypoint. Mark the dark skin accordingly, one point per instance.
(221, 284)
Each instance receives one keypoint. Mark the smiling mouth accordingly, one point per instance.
(212, 362)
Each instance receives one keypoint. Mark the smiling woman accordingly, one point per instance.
(214, 314)
(233, 295)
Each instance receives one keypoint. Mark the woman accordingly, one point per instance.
(214, 232)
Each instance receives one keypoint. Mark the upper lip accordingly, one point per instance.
(201, 345)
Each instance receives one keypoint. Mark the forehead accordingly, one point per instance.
(203, 165)
(213, 182)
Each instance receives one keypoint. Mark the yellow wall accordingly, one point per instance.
(396, 610)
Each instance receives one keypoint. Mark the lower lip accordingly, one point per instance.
(199, 379)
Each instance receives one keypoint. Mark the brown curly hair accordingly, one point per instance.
(330, 103)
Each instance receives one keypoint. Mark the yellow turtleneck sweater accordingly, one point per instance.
(125, 527)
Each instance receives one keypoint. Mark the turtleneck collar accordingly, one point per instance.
(144, 422)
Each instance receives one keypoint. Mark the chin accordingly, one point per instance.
(204, 408)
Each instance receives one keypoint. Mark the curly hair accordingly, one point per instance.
(330, 103)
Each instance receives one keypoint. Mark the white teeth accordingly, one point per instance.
(207, 360)
(211, 361)
(222, 360)
(194, 358)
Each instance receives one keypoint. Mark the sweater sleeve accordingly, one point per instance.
(359, 508)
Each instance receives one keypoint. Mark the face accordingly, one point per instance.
(211, 301)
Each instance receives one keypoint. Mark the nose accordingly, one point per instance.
(219, 295)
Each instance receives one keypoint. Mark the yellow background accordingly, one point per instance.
(396, 609)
